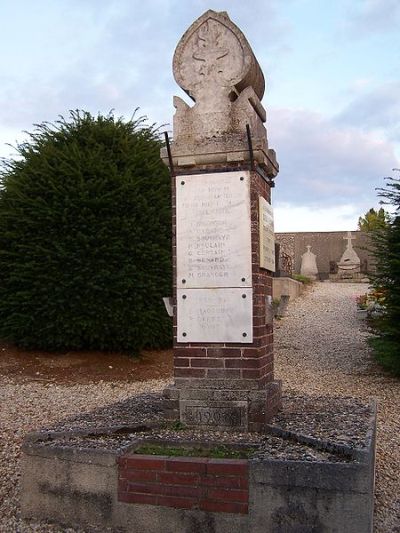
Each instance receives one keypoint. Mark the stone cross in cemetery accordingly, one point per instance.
(349, 260)
(223, 251)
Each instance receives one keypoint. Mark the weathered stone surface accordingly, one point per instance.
(309, 264)
(215, 65)
(213, 230)
(349, 262)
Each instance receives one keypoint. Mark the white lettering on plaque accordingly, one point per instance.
(215, 315)
(213, 230)
(267, 236)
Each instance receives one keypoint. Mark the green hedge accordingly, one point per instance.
(85, 237)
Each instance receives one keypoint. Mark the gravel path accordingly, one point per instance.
(320, 349)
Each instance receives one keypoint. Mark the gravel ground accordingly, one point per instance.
(320, 350)
(321, 428)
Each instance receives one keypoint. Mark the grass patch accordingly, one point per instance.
(216, 452)
(387, 352)
(302, 279)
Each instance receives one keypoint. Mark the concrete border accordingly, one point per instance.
(79, 487)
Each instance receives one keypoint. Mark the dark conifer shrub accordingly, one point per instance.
(85, 237)
(386, 241)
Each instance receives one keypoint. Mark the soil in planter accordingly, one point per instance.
(217, 452)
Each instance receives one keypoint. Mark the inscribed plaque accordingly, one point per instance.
(267, 236)
(215, 315)
(213, 231)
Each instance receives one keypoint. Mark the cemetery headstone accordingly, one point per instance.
(309, 264)
(349, 263)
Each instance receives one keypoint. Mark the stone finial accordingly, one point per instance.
(214, 55)
(215, 66)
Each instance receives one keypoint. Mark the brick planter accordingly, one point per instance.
(212, 485)
(132, 493)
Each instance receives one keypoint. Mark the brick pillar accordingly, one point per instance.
(229, 385)
(223, 341)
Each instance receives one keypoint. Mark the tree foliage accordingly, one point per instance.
(386, 241)
(373, 220)
(85, 237)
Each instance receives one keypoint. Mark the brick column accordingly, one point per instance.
(225, 384)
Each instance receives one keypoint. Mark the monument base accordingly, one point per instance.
(292, 478)
(224, 409)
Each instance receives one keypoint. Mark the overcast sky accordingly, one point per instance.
(332, 70)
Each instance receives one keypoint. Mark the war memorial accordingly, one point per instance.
(264, 462)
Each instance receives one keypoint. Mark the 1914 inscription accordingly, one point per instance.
(213, 230)
(212, 416)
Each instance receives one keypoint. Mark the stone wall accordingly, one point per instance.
(328, 247)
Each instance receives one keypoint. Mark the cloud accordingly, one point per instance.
(291, 217)
(323, 162)
(374, 16)
(378, 109)
(120, 58)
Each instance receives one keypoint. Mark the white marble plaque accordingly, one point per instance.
(215, 315)
(213, 230)
(267, 236)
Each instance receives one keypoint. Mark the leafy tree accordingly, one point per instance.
(386, 240)
(85, 237)
(373, 220)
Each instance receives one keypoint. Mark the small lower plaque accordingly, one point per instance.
(215, 315)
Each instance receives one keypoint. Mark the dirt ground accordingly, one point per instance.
(83, 367)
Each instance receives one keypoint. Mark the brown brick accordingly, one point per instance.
(178, 478)
(190, 352)
(227, 467)
(145, 462)
(181, 361)
(178, 503)
(140, 475)
(223, 507)
(187, 464)
(207, 363)
(146, 488)
(251, 374)
(183, 491)
(224, 352)
(242, 363)
(253, 352)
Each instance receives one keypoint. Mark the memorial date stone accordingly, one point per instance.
(199, 415)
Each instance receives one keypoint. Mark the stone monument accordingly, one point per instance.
(223, 250)
(349, 263)
(309, 264)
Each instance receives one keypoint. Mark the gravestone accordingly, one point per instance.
(223, 251)
(309, 264)
(349, 263)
